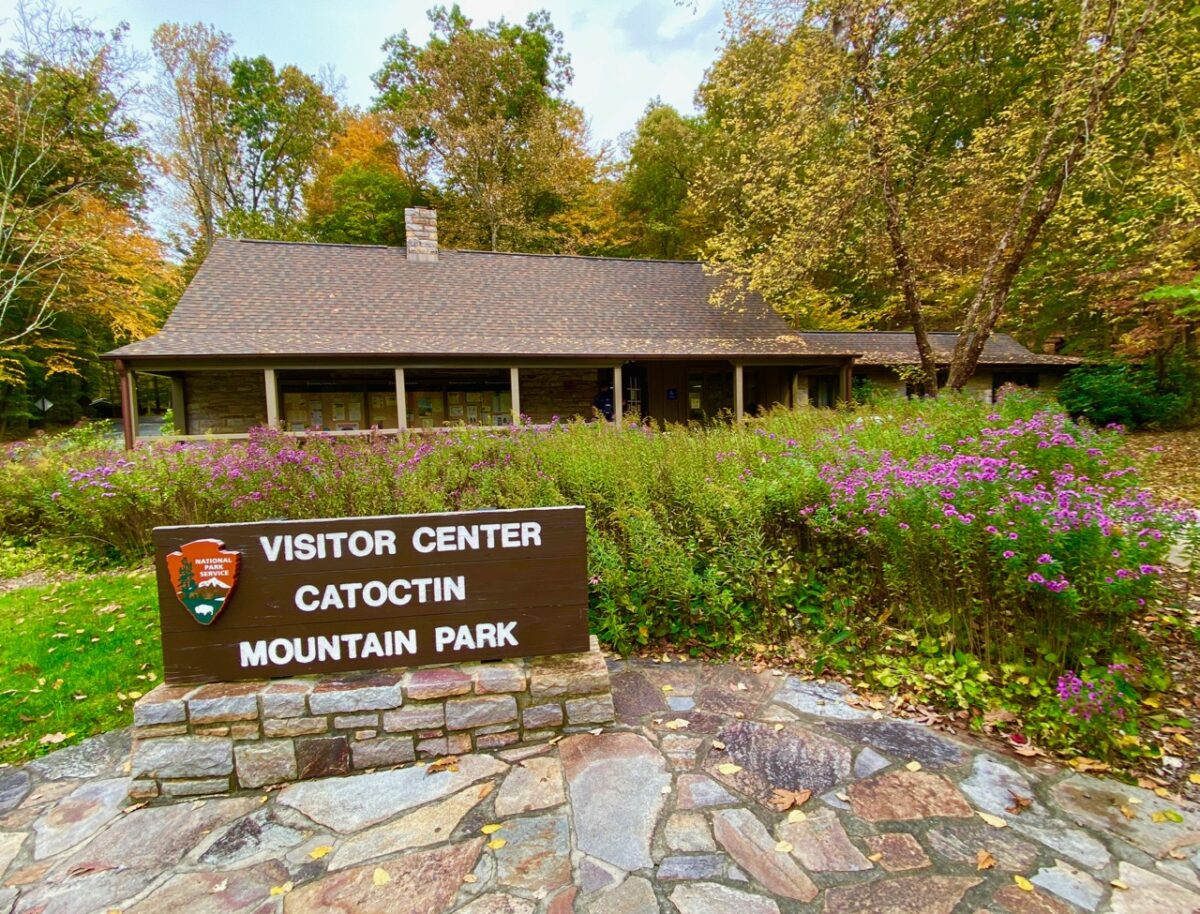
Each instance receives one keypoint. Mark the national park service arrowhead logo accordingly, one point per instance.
(203, 575)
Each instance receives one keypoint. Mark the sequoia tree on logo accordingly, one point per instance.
(203, 575)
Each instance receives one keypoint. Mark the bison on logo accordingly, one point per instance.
(203, 575)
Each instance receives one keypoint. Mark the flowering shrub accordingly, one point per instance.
(979, 542)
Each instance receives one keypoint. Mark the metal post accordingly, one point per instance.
(618, 396)
(739, 394)
(272, 397)
(401, 402)
(514, 383)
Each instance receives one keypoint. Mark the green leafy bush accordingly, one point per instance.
(917, 542)
(1133, 396)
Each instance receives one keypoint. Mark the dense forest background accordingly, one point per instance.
(920, 164)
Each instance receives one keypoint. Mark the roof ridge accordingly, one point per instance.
(400, 248)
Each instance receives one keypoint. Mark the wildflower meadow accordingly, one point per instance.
(977, 557)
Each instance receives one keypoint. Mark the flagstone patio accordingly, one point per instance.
(675, 808)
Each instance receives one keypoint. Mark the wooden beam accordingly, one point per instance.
(618, 396)
(847, 381)
(739, 394)
(128, 421)
(514, 383)
(179, 404)
(272, 387)
(401, 402)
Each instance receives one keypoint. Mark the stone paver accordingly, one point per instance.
(692, 802)
(616, 783)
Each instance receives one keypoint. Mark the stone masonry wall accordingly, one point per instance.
(562, 392)
(214, 738)
(224, 402)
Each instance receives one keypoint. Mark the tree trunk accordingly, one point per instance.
(1006, 259)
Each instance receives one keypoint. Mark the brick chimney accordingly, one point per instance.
(1054, 343)
(420, 234)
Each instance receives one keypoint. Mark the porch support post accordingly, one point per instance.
(514, 383)
(739, 394)
(272, 397)
(618, 396)
(179, 404)
(128, 420)
(401, 402)
(847, 380)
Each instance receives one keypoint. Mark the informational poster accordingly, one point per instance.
(474, 396)
(472, 412)
(456, 410)
(339, 410)
(354, 414)
(316, 414)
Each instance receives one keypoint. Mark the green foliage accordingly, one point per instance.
(955, 550)
(479, 113)
(664, 153)
(1131, 395)
(75, 656)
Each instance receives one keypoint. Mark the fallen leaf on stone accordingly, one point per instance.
(1128, 813)
(1194, 778)
(86, 869)
(844, 797)
(875, 858)
(778, 727)
(717, 744)
(486, 789)
(666, 789)
(52, 739)
(1118, 884)
(984, 861)
(1161, 792)
(318, 852)
(677, 724)
(913, 766)
(1023, 884)
(196, 804)
(282, 889)
(262, 800)
(783, 800)
(994, 821)
(668, 688)
(470, 878)
(491, 829)
(597, 731)
(729, 768)
(380, 876)
(497, 843)
(220, 887)
(1158, 817)
(132, 807)
(739, 687)
(445, 763)
(1018, 805)
(783, 847)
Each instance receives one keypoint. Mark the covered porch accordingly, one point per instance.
(226, 398)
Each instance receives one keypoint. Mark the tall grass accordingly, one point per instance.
(1007, 532)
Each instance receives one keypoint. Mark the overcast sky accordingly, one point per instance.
(624, 52)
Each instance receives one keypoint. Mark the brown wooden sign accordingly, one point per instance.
(285, 598)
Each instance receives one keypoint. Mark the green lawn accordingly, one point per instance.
(74, 656)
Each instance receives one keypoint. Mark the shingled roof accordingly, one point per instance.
(887, 348)
(252, 299)
(255, 298)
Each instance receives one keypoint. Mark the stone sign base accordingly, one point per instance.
(220, 737)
